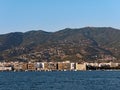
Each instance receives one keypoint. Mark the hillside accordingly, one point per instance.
(85, 44)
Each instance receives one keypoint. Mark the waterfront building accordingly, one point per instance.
(80, 66)
(48, 66)
(63, 66)
(72, 66)
(19, 66)
(5, 68)
(93, 64)
(24, 66)
(52, 66)
(39, 66)
(104, 64)
(114, 64)
(31, 66)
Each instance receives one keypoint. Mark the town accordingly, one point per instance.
(57, 66)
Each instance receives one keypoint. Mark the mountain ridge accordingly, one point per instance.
(78, 44)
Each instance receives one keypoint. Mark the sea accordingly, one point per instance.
(60, 80)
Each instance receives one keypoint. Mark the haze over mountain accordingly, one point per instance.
(100, 44)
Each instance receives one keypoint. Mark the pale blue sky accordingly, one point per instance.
(53, 15)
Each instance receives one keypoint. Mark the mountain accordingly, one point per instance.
(91, 44)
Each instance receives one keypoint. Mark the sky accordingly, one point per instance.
(54, 15)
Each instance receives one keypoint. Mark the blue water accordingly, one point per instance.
(82, 80)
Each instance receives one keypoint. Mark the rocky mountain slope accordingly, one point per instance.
(91, 44)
